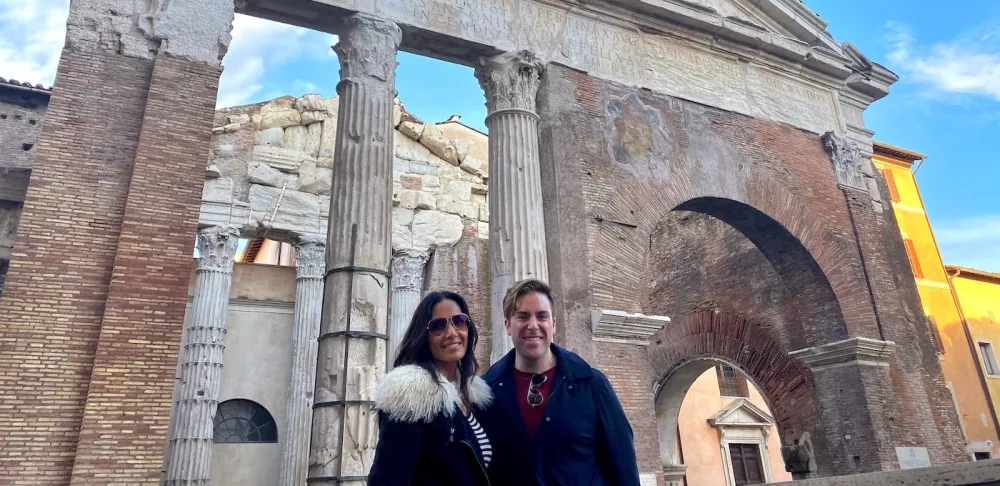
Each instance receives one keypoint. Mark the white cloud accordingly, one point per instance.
(32, 34)
(31, 38)
(260, 50)
(971, 242)
(967, 65)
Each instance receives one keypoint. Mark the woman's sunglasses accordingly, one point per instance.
(438, 326)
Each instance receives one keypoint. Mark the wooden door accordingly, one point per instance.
(747, 466)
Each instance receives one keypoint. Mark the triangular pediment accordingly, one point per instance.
(788, 18)
(741, 413)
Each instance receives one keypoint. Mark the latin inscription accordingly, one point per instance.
(541, 27)
(626, 56)
(695, 75)
(487, 21)
(604, 50)
(779, 98)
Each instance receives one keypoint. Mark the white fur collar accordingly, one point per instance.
(410, 394)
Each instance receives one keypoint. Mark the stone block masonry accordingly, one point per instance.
(54, 301)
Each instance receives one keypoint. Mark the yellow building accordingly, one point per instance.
(965, 376)
(978, 295)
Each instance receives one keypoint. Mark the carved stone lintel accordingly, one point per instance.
(311, 256)
(510, 80)
(367, 48)
(860, 350)
(846, 158)
(408, 271)
(217, 248)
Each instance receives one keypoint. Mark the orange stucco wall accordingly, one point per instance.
(957, 358)
(700, 442)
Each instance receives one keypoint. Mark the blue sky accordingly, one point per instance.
(946, 104)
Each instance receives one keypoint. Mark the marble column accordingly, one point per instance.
(407, 283)
(197, 394)
(354, 327)
(517, 228)
(305, 332)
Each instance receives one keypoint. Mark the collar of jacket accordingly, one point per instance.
(568, 362)
(411, 394)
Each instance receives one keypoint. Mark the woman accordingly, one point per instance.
(430, 404)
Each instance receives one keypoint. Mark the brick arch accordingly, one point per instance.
(646, 203)
(692, 344)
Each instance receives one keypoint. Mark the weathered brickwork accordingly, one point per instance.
(22, 110)
(916, 373)
(128, 404)
(680, 209)
(56, 290)
(634, 390)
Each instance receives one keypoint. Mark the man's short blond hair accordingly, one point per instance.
(520, 289)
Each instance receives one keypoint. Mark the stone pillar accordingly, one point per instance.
(305, 332)
(852, 383)
(197, 398)
(353, 333)
(407, 283)
(517, 228)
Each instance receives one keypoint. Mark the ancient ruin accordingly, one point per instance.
(693, 178)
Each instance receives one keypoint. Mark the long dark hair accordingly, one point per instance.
(415, 348)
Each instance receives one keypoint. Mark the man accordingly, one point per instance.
(556, 420)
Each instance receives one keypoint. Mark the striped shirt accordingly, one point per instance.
(484, 442)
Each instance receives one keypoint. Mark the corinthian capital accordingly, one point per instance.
(510, 80)
(846, 158)
(311, 256)
(368, 47)
(217, 248)
(408, 271)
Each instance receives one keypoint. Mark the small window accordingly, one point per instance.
(982, 456)
(989, 359)
(732, 383)
(890, 182)
(911, 253)
(936, 334)
(244, 421)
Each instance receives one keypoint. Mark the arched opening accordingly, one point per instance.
(242, 421)
(715, 427)
(714, 253)
(741, 290)
(697, 343)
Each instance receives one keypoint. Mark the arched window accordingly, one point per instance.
(244, 421)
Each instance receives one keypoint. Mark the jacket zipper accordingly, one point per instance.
(485, 476)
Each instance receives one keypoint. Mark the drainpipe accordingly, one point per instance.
(974, 348)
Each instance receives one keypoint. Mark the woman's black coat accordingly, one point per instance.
(424, 439)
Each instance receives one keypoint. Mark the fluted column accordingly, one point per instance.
(517, 228)
(407, 283)
(305, 332)
(190, 457)
(353, 333)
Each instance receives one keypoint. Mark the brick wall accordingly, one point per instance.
(54, 299)
(128, 404)
(633, 387)
(21, 114)
(677, 207)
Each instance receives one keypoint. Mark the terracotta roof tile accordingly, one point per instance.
(14, 82)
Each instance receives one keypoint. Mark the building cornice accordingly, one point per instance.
(622, 325)
(860, 350)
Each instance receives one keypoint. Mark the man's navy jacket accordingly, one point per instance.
(584, 438)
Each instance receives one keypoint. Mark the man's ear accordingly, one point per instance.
(506, 325)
